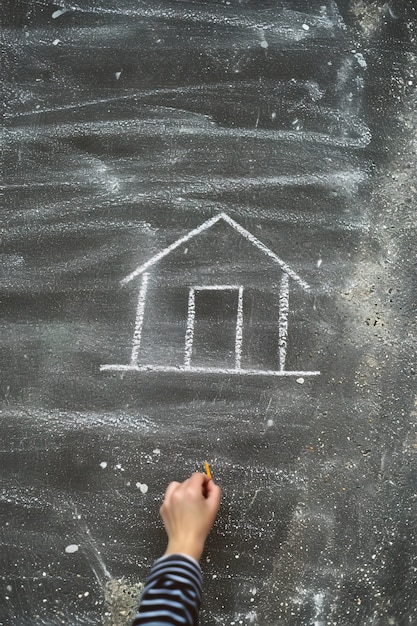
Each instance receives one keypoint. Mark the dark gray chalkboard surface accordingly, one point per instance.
(208, 253)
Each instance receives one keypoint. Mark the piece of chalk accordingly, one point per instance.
(208, 472)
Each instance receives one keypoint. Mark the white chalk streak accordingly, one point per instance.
(205, 226)
(203, 370)
(90, 549)
(58, 13)
(196, 231)
(311, 87)
(283, 24)
(283, 320)
(189, 333)
(356, 133)
(239, 330)
(247, 235)
(318, 606)
(140, 311)
(216, 287)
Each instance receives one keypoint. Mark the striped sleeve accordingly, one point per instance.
(172, 593)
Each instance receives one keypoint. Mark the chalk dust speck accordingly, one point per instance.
(73, 547)
(58, 13)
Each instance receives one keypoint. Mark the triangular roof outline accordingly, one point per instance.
(205, 226)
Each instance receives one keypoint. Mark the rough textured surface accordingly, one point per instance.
(121, 600)
(127, 127)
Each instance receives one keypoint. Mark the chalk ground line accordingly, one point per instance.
(205, 370)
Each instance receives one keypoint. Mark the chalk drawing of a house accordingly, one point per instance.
(205, 285)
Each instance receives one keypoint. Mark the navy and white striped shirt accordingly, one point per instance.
(172, 593)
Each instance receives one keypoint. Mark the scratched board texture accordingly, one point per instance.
(208, 253)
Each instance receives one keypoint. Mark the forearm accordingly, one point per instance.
(172, 593)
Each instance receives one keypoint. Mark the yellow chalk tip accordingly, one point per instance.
(208, 471)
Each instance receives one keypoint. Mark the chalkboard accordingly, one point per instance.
(207, 253)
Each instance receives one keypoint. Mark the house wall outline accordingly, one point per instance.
(142, 271)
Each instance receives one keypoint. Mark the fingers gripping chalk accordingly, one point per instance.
(188, 512)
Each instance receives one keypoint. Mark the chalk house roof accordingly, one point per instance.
(206, 226)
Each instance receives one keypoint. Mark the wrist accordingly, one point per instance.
(193, 549)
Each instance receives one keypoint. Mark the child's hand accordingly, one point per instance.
(188, 512)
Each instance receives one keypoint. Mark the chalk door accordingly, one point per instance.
(214, 327)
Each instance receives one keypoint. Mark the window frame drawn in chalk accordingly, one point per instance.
(187, 364)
